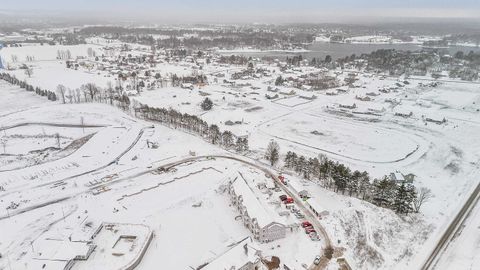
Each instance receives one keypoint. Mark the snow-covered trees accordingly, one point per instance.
(206, 104)
(227, 138)
(404, 197)
(191, 123)
(214, 134)
(91, 90)
(272, 154)
(23, 84)
(61, 89)
(279, 81)
(383, 192)
(241, 144)
(64, 54)
(29, 72)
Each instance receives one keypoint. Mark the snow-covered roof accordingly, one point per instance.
(62, 250)
(296, 186)
(397, 176)
(243, 253)
(315, 205)
(254, 206)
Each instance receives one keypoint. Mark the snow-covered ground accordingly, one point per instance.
(462, 252)
(109, 178)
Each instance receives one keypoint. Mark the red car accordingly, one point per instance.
(282, 179)
(306, 224)
(309, 230)
(288, 200)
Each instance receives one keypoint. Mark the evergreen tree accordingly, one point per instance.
(383, 192)
(301, 162)
(227, 138)
(290, 159)
(364, 184)
(404, 196)
(279, 81)
(352, 185)
(206, 104)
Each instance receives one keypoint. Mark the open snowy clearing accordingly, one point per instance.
(356, 141)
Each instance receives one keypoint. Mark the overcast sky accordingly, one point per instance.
(267, 10)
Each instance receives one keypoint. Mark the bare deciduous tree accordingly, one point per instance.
(61, 89)
(423, 195)
(273, 152)
(29, 72)
(91, 89)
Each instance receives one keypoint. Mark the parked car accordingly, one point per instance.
(306, 224)
(317, 260)
(313, 235)
(309, 230)
(282, 179)
(283, 197)
(288, 200)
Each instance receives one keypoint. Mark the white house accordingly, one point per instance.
(399, 178)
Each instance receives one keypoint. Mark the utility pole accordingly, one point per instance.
(63, 212)
(82, 124)
(57, 136)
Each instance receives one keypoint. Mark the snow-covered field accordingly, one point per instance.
(111, 177)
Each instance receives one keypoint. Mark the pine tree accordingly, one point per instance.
(383, 192)
(279, 81)
(290, 159)
(301, 162)
(206, 104)
(364, 184)
(404, 196)
(227, 138)
(353, 183)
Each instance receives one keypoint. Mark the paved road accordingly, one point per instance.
(452, 229)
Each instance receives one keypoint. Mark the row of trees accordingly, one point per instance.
(22, 84)
(403, 198)
(193, 124)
